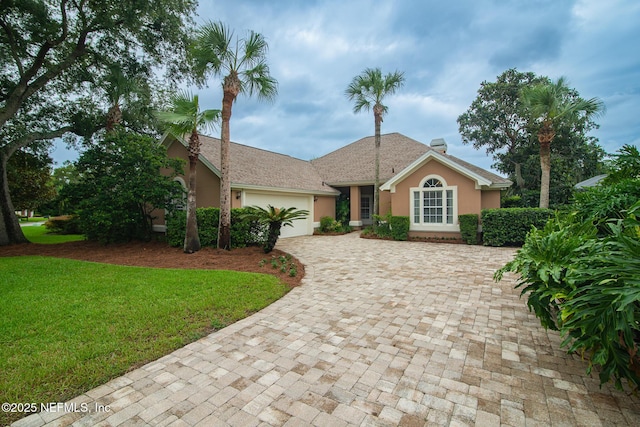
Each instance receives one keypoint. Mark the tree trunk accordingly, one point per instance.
(545, 136)
(231, 89)
(10, 231)
(519, 178)
(191, 237)
(377, 115)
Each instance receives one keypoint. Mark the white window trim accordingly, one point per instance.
(455, 227)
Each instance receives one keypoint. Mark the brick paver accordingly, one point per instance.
(380, 333)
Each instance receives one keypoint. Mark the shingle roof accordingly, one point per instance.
(256, 167)
(354, 163)
(495, 179)
(349, 165)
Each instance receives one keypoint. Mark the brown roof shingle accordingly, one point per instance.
(354, 163)
(256, 167)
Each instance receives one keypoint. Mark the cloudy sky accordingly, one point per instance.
(445, 48)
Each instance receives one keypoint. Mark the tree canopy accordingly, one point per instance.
(56, 59)
(498, 121)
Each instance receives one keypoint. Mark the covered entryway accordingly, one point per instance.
(301, 227)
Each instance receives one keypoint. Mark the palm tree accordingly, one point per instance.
(242, 63)
(275, 219)
(185, 118)
(368, 90)
(549, 104)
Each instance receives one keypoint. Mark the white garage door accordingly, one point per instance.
(301, 227)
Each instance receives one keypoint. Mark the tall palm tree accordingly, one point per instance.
(185, 118)
(549, 104)
(368, 91)
(242, 63)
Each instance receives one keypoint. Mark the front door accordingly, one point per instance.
(366, 209)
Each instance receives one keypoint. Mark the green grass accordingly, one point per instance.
(39, 234)
(68, 326)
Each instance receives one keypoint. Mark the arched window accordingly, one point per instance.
(433, 203)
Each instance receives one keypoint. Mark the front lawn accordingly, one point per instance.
(40, 234)
(68, 326)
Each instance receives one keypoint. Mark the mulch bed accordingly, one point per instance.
(160, 255)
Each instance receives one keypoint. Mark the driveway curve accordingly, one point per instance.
(380, 333)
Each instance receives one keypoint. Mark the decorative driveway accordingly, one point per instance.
(380, 334)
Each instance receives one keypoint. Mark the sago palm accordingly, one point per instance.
(275, 219)
(549, 104)
(185, 118)
(368, 90)
(242, 64)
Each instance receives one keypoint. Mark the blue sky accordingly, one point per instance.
(446, 49)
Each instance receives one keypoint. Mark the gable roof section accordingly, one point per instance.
(255, 168)
(354, 163)
(482, 178)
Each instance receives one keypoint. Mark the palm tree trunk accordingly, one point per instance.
(224, 228)
(545, 136)
(377, 114)
(191, 238)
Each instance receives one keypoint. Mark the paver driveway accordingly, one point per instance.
(380, 333)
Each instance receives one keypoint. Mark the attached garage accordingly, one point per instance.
(301, 227)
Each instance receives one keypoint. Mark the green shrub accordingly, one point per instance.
(399, 227)
(328, 224)
(64, 224)
(509, 227)
(469, 228)
(244, 232)
(514, 201)
(581, 274)
(388, 226)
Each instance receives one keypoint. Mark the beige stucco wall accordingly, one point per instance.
(208, 190)
(385, 203)
(324, 206)
(469, 199)
(491, 199)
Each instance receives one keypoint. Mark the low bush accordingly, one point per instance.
(469, 228)
(509, 226)
(64, 224)
(244, 232)
(328, 224)
(399, 227)
(388, 226)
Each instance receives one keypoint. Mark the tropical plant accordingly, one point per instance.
(275, 219)
(185, 118)
(548, 104)
(242, 63)
(368, 90)
(626, 165)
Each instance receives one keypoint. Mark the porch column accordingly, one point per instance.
(354, 220)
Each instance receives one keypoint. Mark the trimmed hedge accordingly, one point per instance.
(396, 227)
(509, 226)
(243, 232)
(399, 226)
(469, 228)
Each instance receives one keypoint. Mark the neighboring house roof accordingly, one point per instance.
(591, 182)
(354, 163)
(260, 169)
(482, 177)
